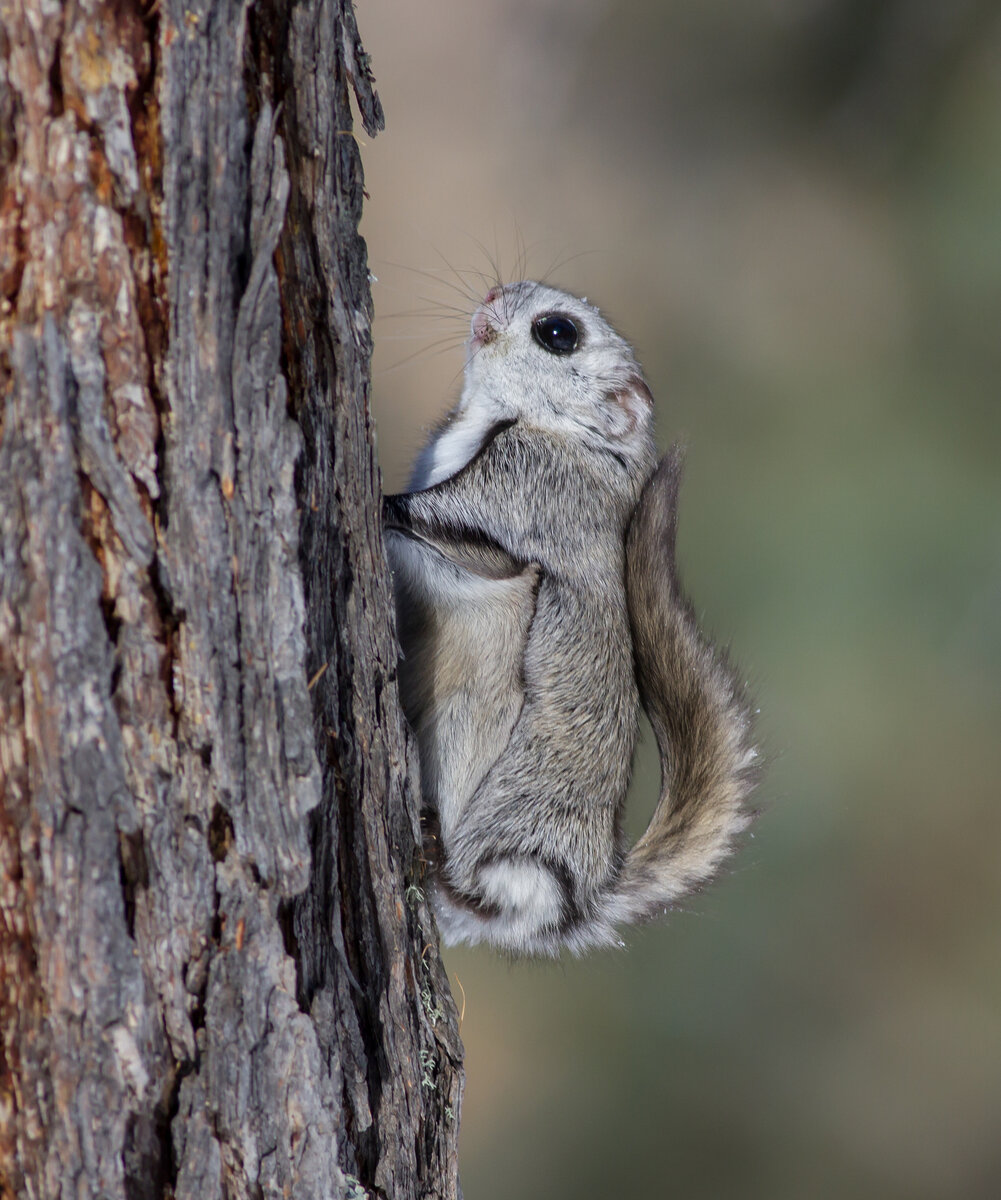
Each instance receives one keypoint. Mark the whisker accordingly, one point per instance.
(451, 340)
(445, 312)
(459, 275)
(458, 339)
(437, 277)
(434, 350)
(497, 279)
(564, 260)
(521, 262)
(451, 309)
(430, 307)
(459, 373)
(493, 260)
(486, 281)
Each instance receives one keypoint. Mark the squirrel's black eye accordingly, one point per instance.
(556, 334)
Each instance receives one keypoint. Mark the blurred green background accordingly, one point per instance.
(792, 208)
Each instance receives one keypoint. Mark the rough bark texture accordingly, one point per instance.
(218, 975)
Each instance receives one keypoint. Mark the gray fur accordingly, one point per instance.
(517, 669)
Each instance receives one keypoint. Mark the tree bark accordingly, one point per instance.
(218, 972)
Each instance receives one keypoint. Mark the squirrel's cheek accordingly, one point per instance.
(634, 401)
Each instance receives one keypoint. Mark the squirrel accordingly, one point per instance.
(537, 604)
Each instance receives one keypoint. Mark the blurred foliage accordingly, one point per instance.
(793, 209)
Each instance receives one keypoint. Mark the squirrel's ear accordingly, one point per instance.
(634, 398)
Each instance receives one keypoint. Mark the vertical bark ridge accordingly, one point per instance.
(370, 968)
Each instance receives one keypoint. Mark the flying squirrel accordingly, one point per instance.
(533, 563)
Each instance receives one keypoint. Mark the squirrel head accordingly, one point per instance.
(552, 362)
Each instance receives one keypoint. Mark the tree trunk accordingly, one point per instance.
(219, 974)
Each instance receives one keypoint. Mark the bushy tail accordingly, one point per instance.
(698, 712)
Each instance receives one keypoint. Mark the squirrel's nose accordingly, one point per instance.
(483, 330)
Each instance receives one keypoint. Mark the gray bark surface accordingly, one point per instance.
(218, 973)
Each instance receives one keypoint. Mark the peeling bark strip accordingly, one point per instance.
(218, 974)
